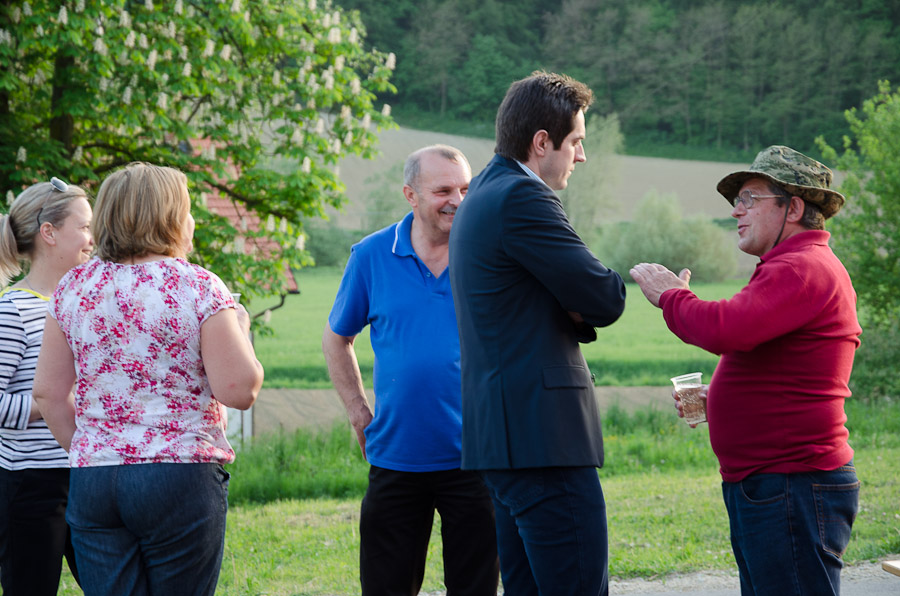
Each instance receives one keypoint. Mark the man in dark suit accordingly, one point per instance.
(526, 291)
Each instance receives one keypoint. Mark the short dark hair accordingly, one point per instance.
(542, 101)
(812, 219)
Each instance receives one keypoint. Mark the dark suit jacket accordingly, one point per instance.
(516, 268)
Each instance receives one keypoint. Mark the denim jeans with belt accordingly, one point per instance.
(789, 531)
(551, 530)
(145, 529)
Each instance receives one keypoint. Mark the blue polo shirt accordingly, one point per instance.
(418, 410)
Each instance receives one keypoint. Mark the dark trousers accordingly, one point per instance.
(34, 536)
(395, 526)
(551, 531)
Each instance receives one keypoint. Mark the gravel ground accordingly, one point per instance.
(863, 579)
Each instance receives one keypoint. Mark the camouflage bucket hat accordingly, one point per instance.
(796, 173)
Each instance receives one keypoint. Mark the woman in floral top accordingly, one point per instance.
(157, 346)
(48, 226)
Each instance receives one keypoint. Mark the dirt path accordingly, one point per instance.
(290, 409)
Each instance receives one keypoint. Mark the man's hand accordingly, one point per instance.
(703, 393)
(654, 279)
(360, 415)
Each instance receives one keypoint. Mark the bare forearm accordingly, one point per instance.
(60, 418)
(343, 368)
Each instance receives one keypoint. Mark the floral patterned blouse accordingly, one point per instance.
(142, 395)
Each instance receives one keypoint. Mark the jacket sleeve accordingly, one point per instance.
(537, 234)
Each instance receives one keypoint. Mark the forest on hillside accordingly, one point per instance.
(728, 74)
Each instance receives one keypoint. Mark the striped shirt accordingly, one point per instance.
(22, 444)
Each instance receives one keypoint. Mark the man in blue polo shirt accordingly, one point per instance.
(396, 281)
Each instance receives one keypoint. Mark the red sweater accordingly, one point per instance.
(776, 400)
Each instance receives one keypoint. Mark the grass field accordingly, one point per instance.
(636, 350)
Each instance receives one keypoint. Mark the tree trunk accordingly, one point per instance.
(62, 125)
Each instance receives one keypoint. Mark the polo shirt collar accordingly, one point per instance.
(402, 246)
(798, 242)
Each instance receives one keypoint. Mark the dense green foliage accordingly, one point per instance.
(732, 74)
(219, 90)
(867, 231)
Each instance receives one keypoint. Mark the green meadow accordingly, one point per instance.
(294, 497)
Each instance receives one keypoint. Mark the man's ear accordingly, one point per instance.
(795, 211)
(540, 143)
(410, 195)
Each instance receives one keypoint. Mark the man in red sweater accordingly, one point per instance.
(775, 404)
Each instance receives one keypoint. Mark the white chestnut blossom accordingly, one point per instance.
(124, 19)
(354, 36)
(270, 223)
(63, 17)
(301, 242)
(100, 47)
(334, 35)
(148, 4)
(10, 197)
(39, 31)
(279, 31)
(312, 5)
(26, 9)
(126, 95)
(186, 71)
(79, 6)
(276, 78)
(179, 7)
(78, 154)
(320, 127)
(129, 40)
(348, 138)
(236, 6)
(225, 54)
(366, 121)
(306, 167)
(151, 59)
(142, 42)
(209, 49)
(282, 225)
(21, 154)
(386, 110)
(391, 62)
(339, 63)
(355, 86)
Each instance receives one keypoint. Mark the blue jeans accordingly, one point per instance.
(551, 531)
(789, 531)
(148, 529)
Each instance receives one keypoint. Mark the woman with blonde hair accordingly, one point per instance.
(154, 345)
(48, 227)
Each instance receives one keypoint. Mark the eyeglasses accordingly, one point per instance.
(57, 185)
(748, 198)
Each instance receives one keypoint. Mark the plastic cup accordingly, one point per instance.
(688, 388)
(236, 296)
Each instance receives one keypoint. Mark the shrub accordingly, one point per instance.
(659, 234)
(875, 366)
(330, 245)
